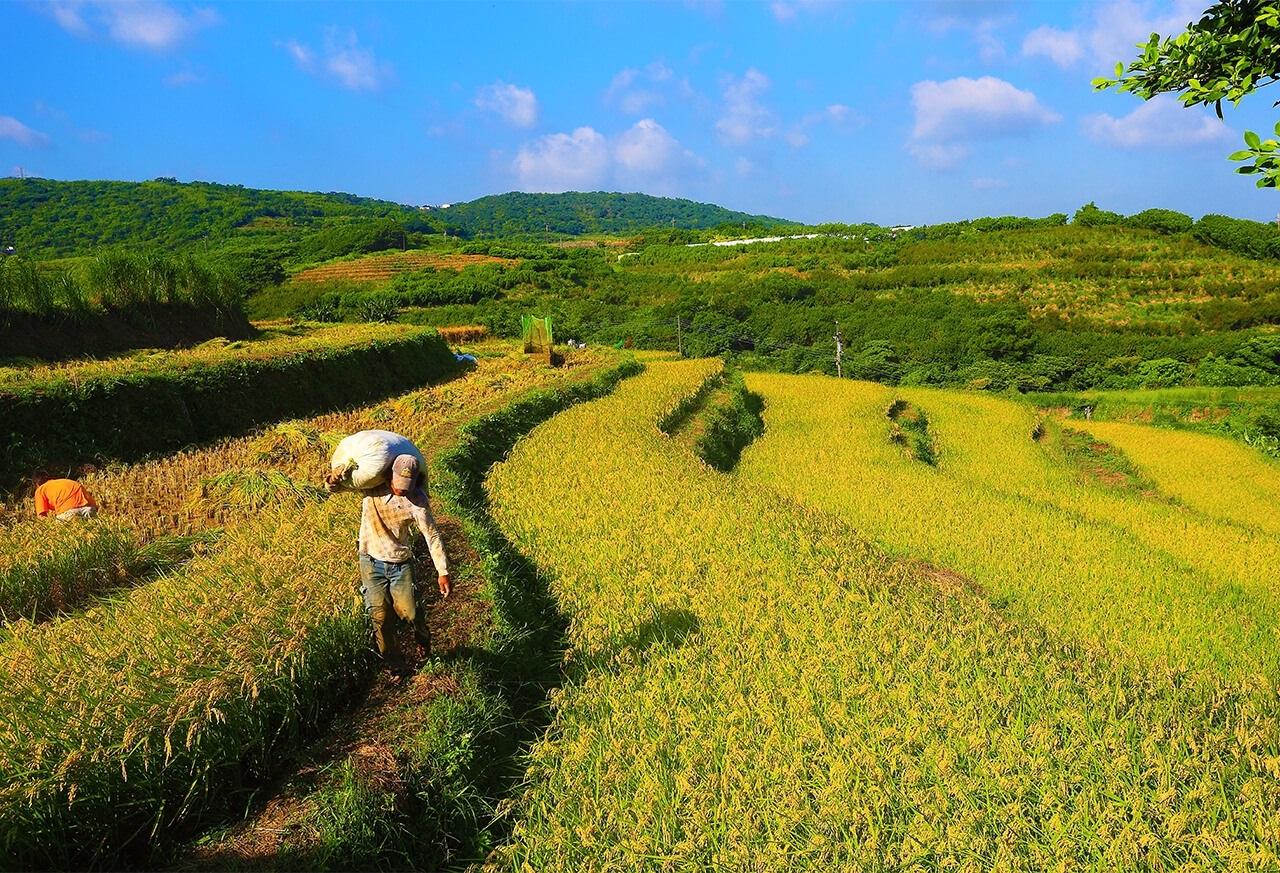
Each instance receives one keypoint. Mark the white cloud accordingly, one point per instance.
(69, 19)
(943, 16)
(634, 91)
(835, 115)
(181, 79)
(1116, 31)
(644, 157)
(647, 148)
(745, 118)
(515, 105)
(783, 11)
(343, 60)
(789, 10)
(564, 162)
(952, 115)
(353, 65)
(1120, 27)
(966, 109)
(640, 101)
(647, 156)
(1062, 47)
(145, 24)
(981, 19)
(938, 156)
(1160, 121)
(302, 55)
(624, 79)
(12, 128)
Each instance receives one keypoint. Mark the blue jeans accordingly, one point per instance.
(388, 593)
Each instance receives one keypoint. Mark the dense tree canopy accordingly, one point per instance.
(46, 218)
(574, 213)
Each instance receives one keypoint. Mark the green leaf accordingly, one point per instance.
(1119, 69)
(1243, 155)
(1252, 139)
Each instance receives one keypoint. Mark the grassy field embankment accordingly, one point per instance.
(123, 410)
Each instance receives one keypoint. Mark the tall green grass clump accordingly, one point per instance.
(28, 289)
(125, 281)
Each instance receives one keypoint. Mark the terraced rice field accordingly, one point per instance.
(174, 697)
(384, 265)
(841, 656)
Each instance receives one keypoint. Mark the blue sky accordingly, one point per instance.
(812, 110)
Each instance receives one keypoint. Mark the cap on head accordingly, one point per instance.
(404, 472)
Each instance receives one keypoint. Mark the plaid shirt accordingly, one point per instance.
(387, 522)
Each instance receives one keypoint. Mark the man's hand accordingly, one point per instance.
(333, 481)
(444, 585)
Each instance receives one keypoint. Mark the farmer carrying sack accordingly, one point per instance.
(363, 460)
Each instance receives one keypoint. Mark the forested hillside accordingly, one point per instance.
(45, 218)
(572, 213)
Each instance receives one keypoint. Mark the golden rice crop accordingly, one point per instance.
(754, 686)
(1144, 576)
(1216, 476)
(172, 698)
(166, 496)
(47, 566)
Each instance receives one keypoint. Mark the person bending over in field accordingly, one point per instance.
(64, 499)
(388, 516)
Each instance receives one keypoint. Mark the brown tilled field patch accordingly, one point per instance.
(384, 265)
(468, 333)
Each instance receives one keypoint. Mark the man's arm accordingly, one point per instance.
(427, 524)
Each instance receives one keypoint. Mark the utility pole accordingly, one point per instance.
(839, 352)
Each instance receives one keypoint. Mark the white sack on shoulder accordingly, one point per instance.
(364, 459)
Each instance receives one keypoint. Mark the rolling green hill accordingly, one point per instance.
(44, 218)
(516, 213)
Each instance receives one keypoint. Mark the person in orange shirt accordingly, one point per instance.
(65, 499)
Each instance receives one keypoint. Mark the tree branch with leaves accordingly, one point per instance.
(1232, 51)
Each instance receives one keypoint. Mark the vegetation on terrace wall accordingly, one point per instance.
(121, 417)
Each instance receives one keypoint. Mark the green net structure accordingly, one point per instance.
(537, 334)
